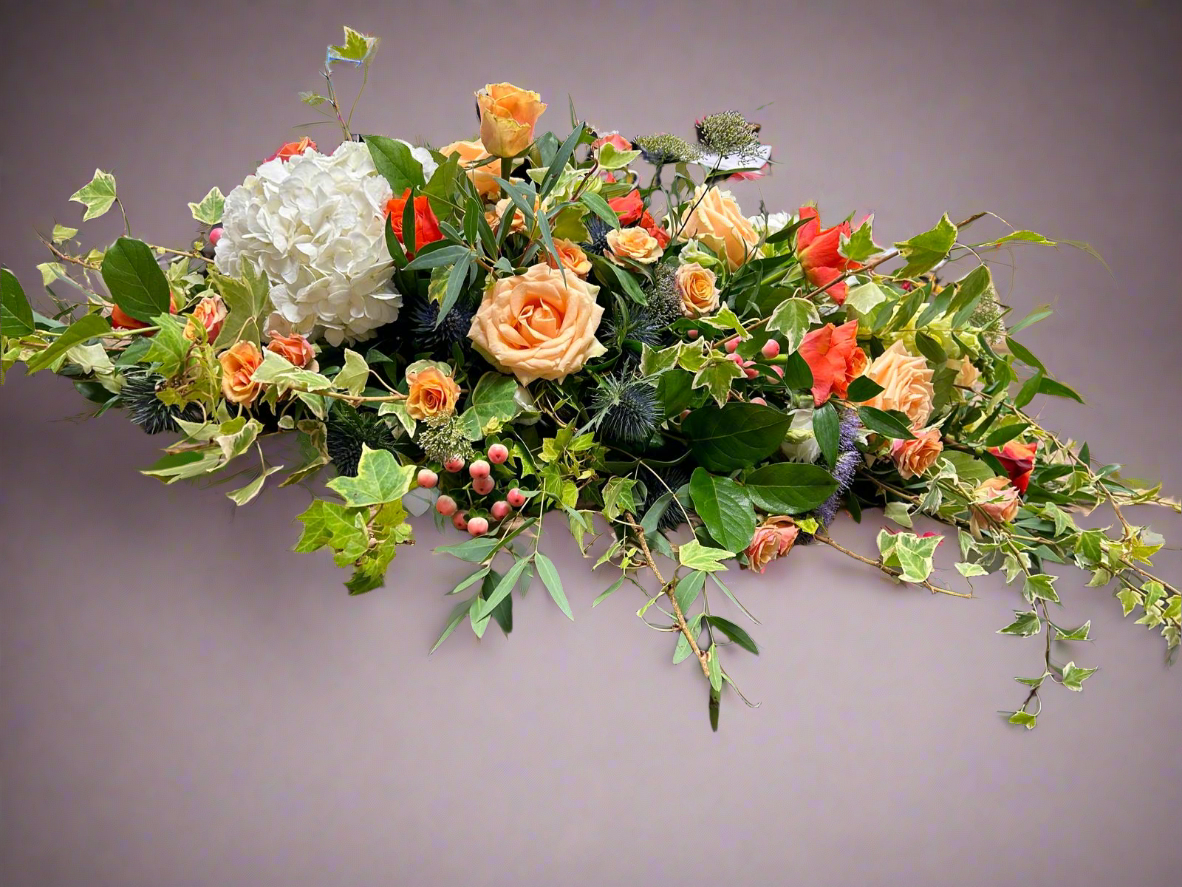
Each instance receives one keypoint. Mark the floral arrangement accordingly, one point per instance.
(528, 322)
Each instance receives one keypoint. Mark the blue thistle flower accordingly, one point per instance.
(421, 317)
(626, 410)
(597, 230)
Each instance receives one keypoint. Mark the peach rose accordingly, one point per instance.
(967, 375)
(536, 326)
(238, 366)
(834, 358)
(507, 118)
(907, 384)
(484, 178)
(494, 216)
(914, 457)
(995, 502)
(210, 313)
(431, 391)
(773, 538)
(573, 258)
(717, 222)
(633, 243)
(696, 286)
(295, 349)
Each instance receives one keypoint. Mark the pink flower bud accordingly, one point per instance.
(484, 485)
(516, 497)
(445, 505)
(500, 510)
(478, 526)
(427, 478)
(732, 344)
(454, 464)
(498, 454)
(770, 349)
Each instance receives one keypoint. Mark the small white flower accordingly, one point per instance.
(775, 222)
(800, 445)
(315, 224)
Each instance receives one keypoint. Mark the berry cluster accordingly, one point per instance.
(482, 484)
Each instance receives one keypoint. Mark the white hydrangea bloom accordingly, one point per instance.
(315, 225)
(423, 156)
(775, 222)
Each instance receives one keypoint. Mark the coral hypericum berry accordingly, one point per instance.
(498, 454)
(460, 521)
(445, 505)
(770, 348)
(516, 497)
(500, 510)
(479, 469)
(427, 478)
(478, 526)
(732, 344)
(483, 485)
(453, 465)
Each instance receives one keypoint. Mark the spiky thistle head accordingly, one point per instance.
(148, 411)
(422, 315)
(597, 230)
(348, 430)
(658, 482)
(729, 133)
(664, 148)
(665, 298)
(624, 409)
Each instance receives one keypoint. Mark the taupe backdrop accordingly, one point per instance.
(186, 702)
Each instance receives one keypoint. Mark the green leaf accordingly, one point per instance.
(558, 164)
(1073, 676)
(899, 513)
(797, 374)
(245, 494)
(61, 233)
(736, 633)
(248, 300)
(457, 616)
(1082, 633)
(688, 588)
(1024, 718)
(617, 497)
(717, 377)
(734, 436)
(862, 389)
(863, 299)
(474, 551)
(553, 583)
(884, 423)
(1040, 586)
(493, 400)
(88, 327)
(16, 314)
(608, 592)
(354, 374)
(860, 245)
(1005, 433)
(209, 210)
(503, 588)
(136, 283)
(715, 668)
(457, 276)
(1024, 625)
(970, 471)
(724, 507)
(279, 371)
(379, 479)
(969, 570)
(395, 164)
(790, 487)
(357, 48)
(827, 431)
(930, 348)
(169, 348)
(915, 555)
(470, 580)
(98, 195)
(683, 650)
(1042, 312)
(1028, 390)
(1057, 389)
(612, 158)
(696, 556)
(434, 256)
(341, 529)
(792, 318)
(1025, 236)
(601, 208)
(924, 251)
(1024, 354)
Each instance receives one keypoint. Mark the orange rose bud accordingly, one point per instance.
(295, 349)
(507, 118)
(819, 256)
(773, 538)
(293, 149)
(238, 366)
(210, 313)
(573, 258)
(995, 502)
(121, 320)
(426, 225)
(431, 392)
(471, 154)
(835, 359)
(1018, 461)
(914, 457)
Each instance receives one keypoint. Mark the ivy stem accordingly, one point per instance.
(890, 571)
(668, 589)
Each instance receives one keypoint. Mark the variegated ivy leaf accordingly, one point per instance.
(864, 299)
(209, 210)
(792, 318)
(51, 271)
(899, 513)
(354, 374)
(925, 251)
(236, 436)
(617, 497)
(1025, 624)
(61, 233)
(1074, 676)
(717, 378)
(97, 195)
(859, 246)
(726, 319)
(380, 479)
(653, 362)
(356, 49)
(695, 556)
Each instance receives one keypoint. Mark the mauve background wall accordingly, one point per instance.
(186, 702)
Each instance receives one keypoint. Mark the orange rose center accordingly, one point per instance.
(538, 319)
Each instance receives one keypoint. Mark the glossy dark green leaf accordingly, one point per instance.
(884, 423)
(790, 487)
(136, 282)
(16, 314)
(827, 430)
(862, 389)
(395, 163)
(735, 633)
(724, 507)
(734, 436)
